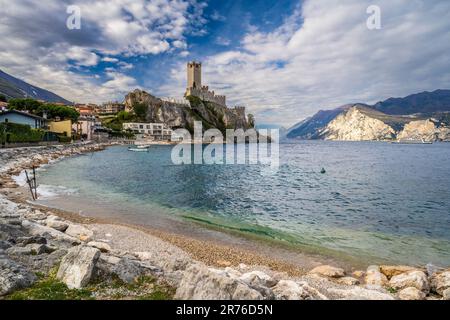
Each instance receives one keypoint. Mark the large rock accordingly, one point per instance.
(127, 270)
(411, 293)
(390, 271)
(358, 293)
(79, 232)
(440, 282)
(102, 246)
(56, 223)
(374, 277)
(328, 271)
(446, 294)
(202, 283)
(415, 279)
(258, 278)
(288, 290)
(31, 240)
(14, 276)
(36, 229)
(124, 268)
(348, 281)
(76, 269)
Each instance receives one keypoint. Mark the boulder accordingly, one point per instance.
(36, 229)
(123, 268)
(77, 266)
(55, 223)
(415, 279)
(328, 271)
(37, 249)
(348, 281)
(14, 277)
(233, 272)
(202, 283)
(359, 293)
(358, 274)
(446, 294)
(411, 293)
(79, 232)
(374, 277)
(258, 278)
(17, 251)
(5, 245)
(288, 290)
(390, 271)
(127, 270)
(440, 282)
(29, 240)
(102, 246)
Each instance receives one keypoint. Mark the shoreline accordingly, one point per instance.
(197, 251)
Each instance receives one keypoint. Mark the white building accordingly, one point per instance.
(85, 127)
(156, 131)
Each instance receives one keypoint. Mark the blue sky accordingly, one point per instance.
(283, 60)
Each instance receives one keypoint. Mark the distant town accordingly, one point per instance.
(30, 121)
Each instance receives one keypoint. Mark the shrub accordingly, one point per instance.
(64, 139)
(14, 132)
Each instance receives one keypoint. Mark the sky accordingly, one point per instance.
(284, 60)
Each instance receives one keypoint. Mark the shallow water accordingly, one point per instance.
(376, 201)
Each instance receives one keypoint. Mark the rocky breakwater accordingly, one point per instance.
(14, 161)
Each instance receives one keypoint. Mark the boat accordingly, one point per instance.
(412, 142)
(137, 149)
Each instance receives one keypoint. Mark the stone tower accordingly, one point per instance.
(194, 74)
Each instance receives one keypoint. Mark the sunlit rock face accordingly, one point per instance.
(427, 130)
(354, 125)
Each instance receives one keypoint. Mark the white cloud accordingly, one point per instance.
(324, 56)
(109, 59)
(223, 41)
(216, 16)
(38, 47)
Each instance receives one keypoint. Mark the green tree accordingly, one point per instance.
(124, 116)
(26, 104)
(3, 98)
(53, 111)
(140, 110)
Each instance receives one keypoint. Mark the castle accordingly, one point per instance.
(195, 88)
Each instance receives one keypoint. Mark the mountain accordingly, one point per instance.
(423, 116)
(310, 127)
(15, 88)
(424, 102)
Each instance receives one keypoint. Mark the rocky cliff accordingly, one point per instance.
(354, 124)
(364, 124)
(177, 115)
(361, 122)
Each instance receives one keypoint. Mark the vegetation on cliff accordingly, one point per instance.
(176, 115)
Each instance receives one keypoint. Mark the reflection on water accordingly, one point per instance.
(380, 200)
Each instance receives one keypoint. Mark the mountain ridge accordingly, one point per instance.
(13, 87)
(433, 106)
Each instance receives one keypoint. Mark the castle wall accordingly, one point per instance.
(206, 95)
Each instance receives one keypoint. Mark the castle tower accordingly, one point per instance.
(194, 74)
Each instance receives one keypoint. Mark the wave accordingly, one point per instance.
(49, 191)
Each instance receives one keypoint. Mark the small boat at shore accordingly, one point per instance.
(412, 142)
(137, 149)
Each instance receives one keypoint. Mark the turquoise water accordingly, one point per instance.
(377, 201)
